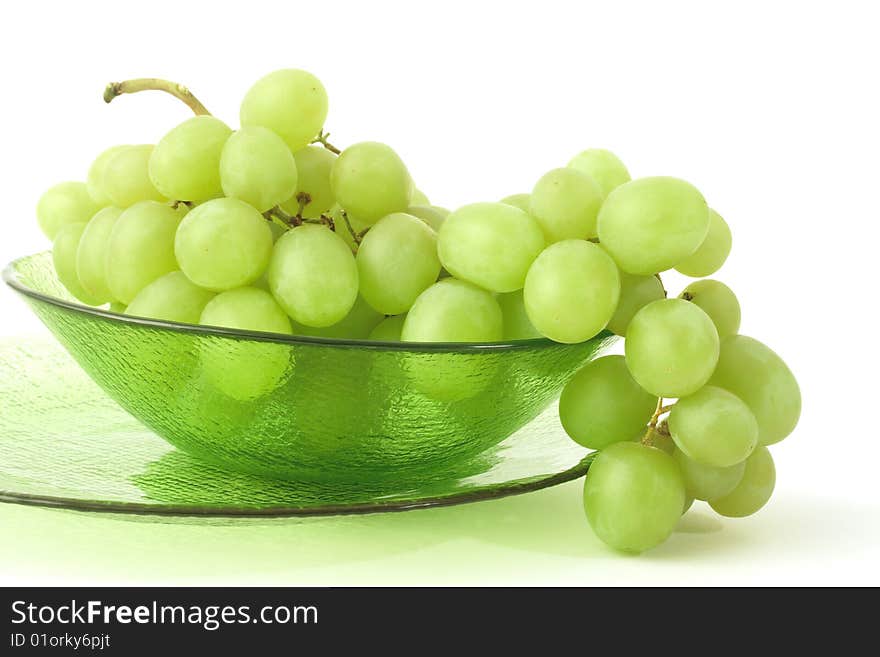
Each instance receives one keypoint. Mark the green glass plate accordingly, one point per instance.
(378, 414)
(64, 443)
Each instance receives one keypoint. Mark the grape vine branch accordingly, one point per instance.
(136, 85)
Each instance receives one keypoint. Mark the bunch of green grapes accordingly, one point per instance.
(271, 228)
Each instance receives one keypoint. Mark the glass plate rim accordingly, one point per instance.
(478, 494)
(12, 278)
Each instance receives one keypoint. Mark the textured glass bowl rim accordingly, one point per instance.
(13, 279)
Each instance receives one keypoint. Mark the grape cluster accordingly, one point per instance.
(272, 228)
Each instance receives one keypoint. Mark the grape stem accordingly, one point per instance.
(357, 236)
(648, 438)
(115, 89)
(289, 220)
(322, 139)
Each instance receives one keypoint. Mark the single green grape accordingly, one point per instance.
(127, 179)
(671, 348)
(602, 404)
(64, 250)
(313, 166)
(91, 255)
(707, 482)
(370, 181)
(65, 203)
(603, 166)
(521, 201)
(636, 292)
(290, 102)
(565, 203)
(356, 325)
(753, 490)
(517, 325)
(714, 427)
(245, 369)
(718, 301)
(141, 248)
(389, 329)
(429, 214)
(711, 254)
(172, 298)
(397, 261)
(419, 198)
(490, 244)
(185, 164)
(453, 311)
(223, 244)
(649, 225)
(257, 167)
(117, 307)
(571, 291)
(633, 496)
(313, 275)
(755, 374)
(95, 178)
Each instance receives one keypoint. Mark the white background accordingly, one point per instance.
(770, 108)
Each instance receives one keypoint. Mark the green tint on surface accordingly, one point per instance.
(105, 460)
(127, 178)
(368, 420)
(565, 203)
(517, 325)
(454, 311)
(754, 489)
(719, 302)
(712, 253)
(602, 166)
(705, 482)
(636, 292)
(95, 179)
(257, 167)
(91, 254)
(64, 250)
(313, 167)
(369, 180)
(172, 297)
(65, 203)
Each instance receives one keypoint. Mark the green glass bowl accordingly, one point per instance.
(310, 409)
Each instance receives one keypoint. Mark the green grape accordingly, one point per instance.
(290, 102)
(688, 503)
(127, 179)
(397, 261)
(443, 212)
(340, 227)
(370, 181)
(95, 179)
(185, 164)
(429, 214)
(490, 244)
(602, 404)
(517, 325)
(419, 198)
(65, 203)
(389, 329)
(257, 167)
(91, 255)
(453, 311)
(313, 275)
(521, 201)
(671, 348)
(718, 301)
(754, 489)
(662, 441)
(313, 165)
(755, 374)
(633, 496)
(712, 253)
(223, 244)
(172, 298)
(707, 482)
(571, 291)
(245, 369)
(649, 225)
(141, 248)
(713, 427)
(636, 292)
(356, 325)
(566, 203)
(64, 258)
(118, 308)
(602, 166)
